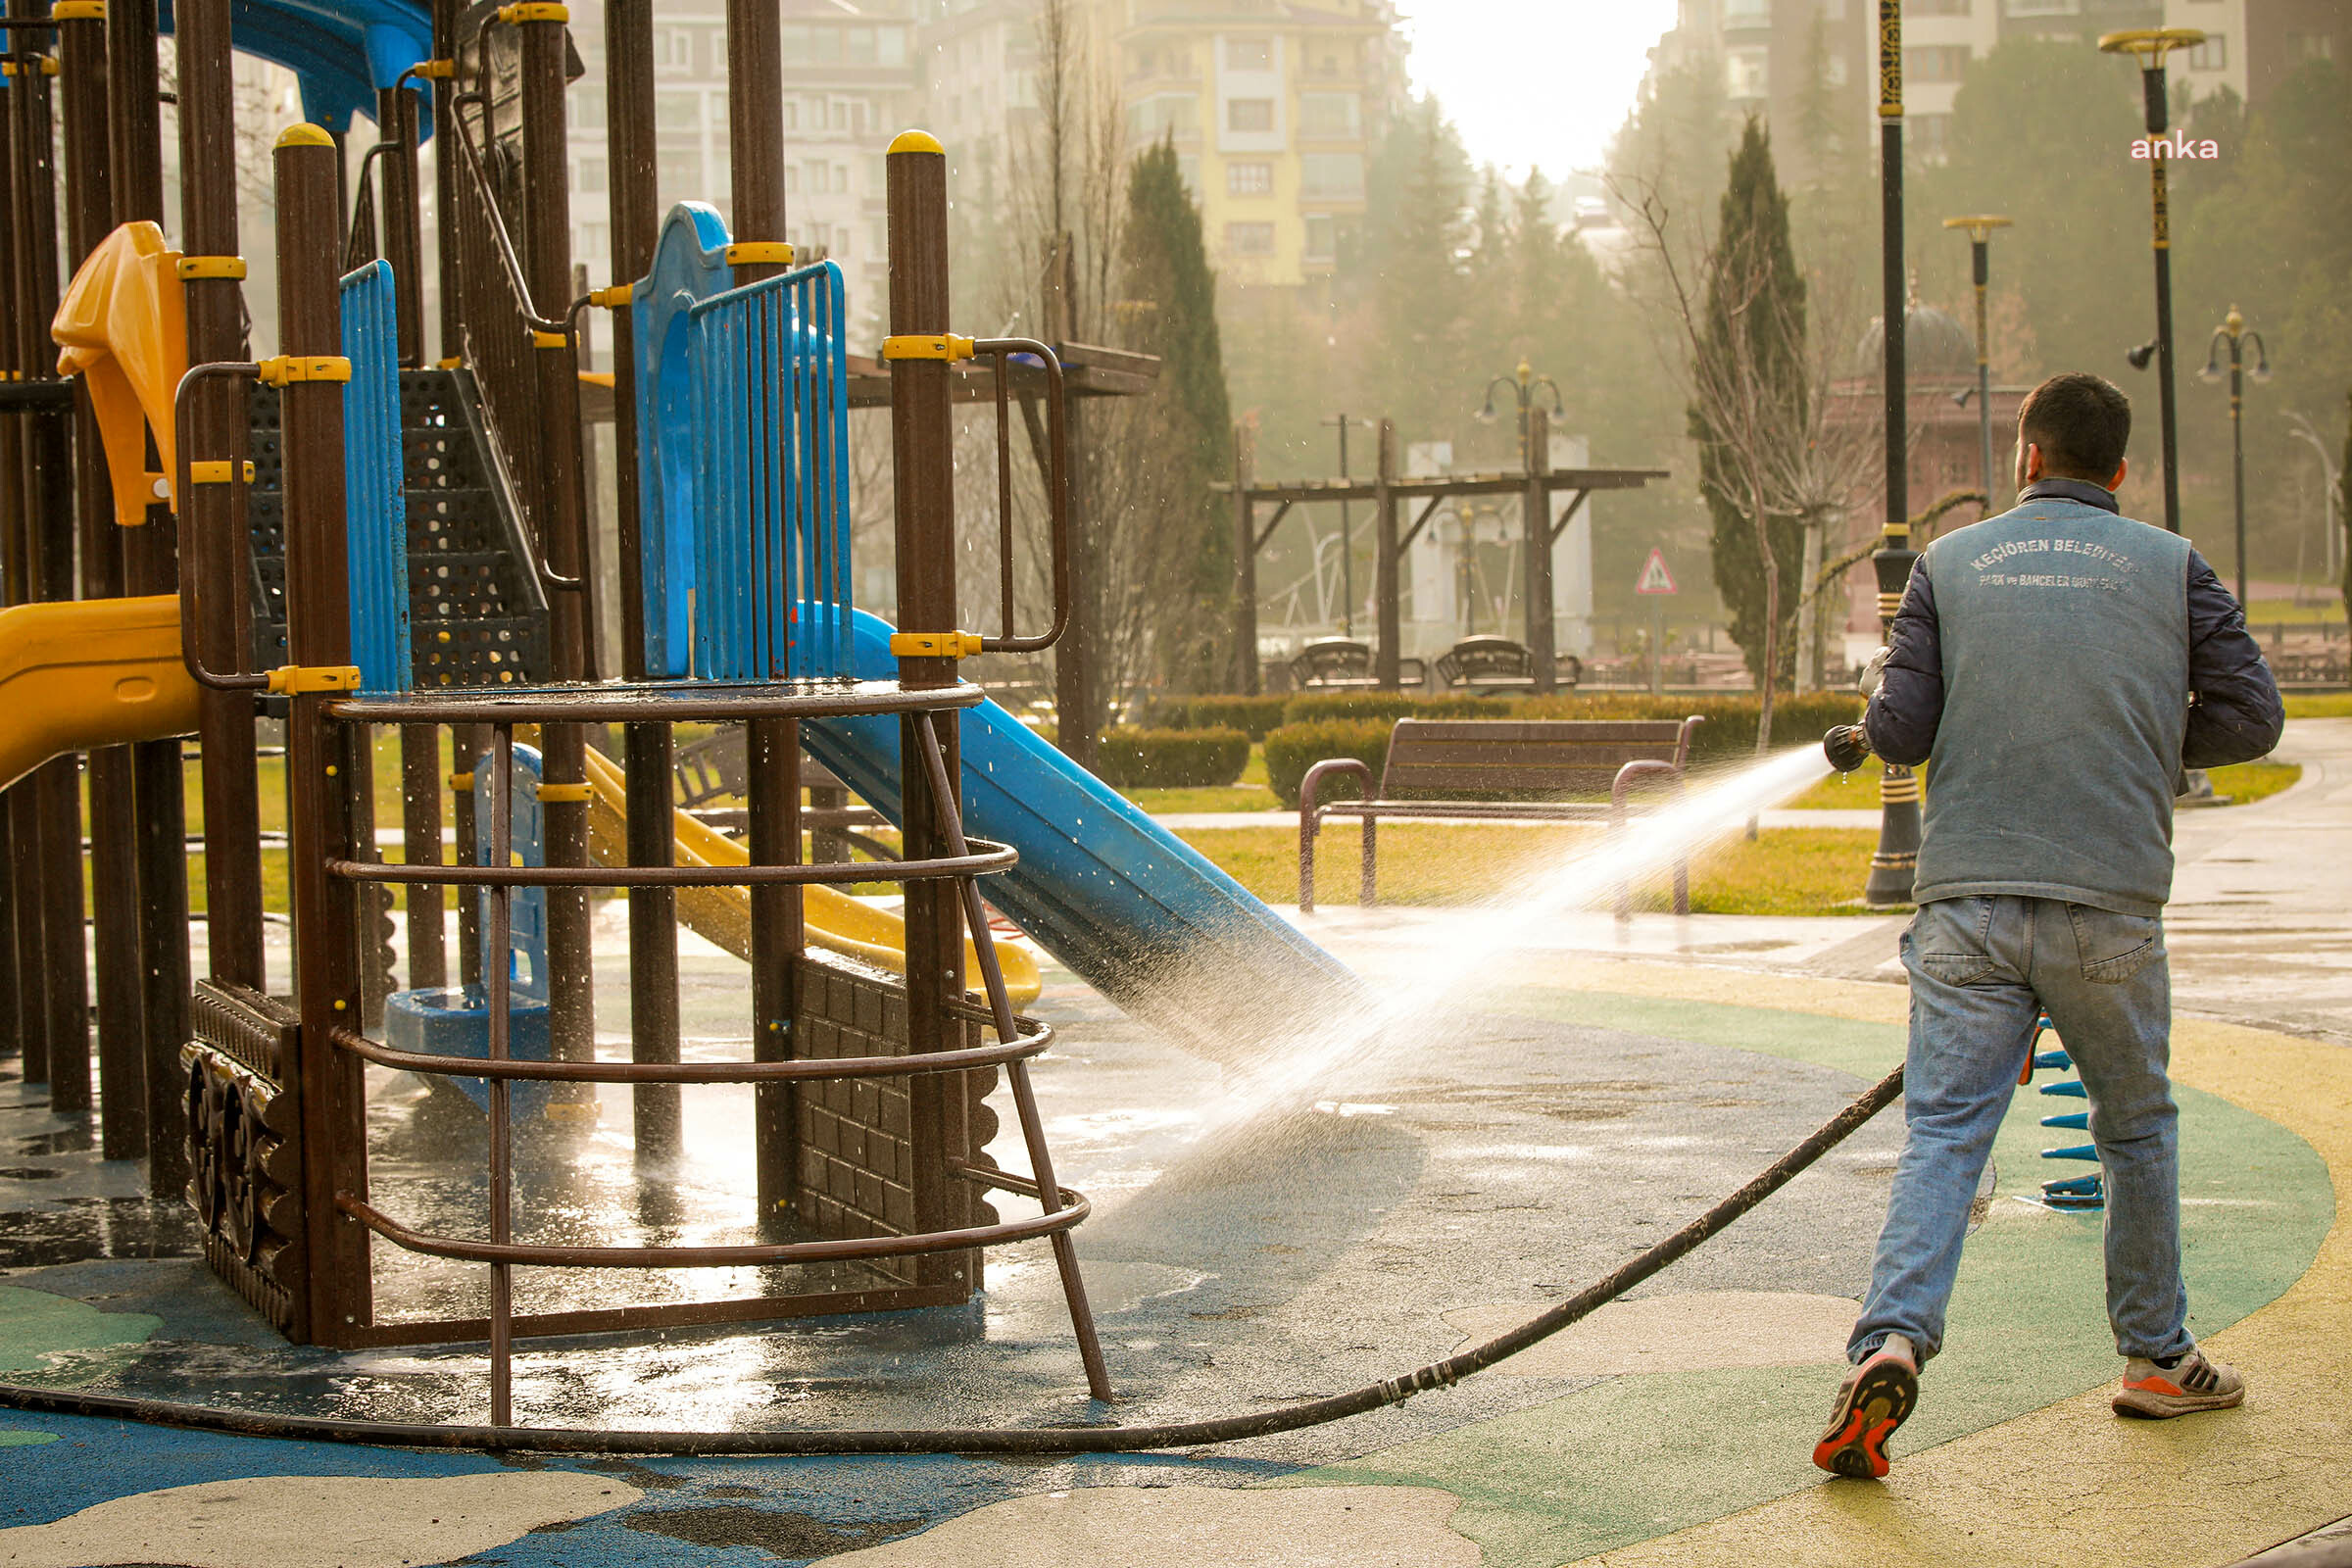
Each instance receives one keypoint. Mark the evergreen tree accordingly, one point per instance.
(1188, 441)
(1754, 333)
(1420, 235)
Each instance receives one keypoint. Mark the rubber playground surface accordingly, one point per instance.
(1604, 1102)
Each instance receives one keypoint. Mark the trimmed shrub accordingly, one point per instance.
(1251, 715)
(1729, 731)
(1134, 759)
(1294, 748)
(1309, 708)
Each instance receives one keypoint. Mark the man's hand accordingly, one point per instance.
(1874, 673)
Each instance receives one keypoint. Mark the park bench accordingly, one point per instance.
(1486, 664)
(1500, 768)
(714, 768)
(1342, 663)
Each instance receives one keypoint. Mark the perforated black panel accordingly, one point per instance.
(478, 615)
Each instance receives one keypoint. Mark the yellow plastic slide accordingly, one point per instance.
(89, 673)
(835, 921)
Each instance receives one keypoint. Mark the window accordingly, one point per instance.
(820, 178)
(1332, 175)
(1931, 136)
(1744, 73)
(1836, 71)
(1249, 239)
(792, 180)
(1328, 113)
(588, 175)
(857, 45)
(2044, 8)
(1940, 8)
(2211, 55)
(1248, 54)
(1249, 114)
(680, 174)
(673, 49)
(2311, 45)
(792, 114)
(1322, 238)
(1936, 63)
(1249, 180)
(678, 111)
(584, 108)
(1748, 13)
(1153, 118)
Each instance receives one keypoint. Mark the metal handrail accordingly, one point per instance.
(796, 1070)
(991, 857)
(1057, 1219)
(1057, 491)
(191, 546)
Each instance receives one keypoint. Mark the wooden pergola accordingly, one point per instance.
(1391, 496)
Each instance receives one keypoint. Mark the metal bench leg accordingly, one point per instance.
(1370, 895)
(1682, 887)
(1310, 822)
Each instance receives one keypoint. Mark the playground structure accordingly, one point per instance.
(349, 536)
(1391, 494)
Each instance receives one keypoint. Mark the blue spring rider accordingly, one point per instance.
(2076, 1193)
(454, 1020)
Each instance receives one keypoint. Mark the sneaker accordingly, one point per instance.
(2196, 1382)
(1874, 1399)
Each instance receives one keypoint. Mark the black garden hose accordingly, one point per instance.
(988, 1440)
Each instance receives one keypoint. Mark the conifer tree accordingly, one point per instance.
(1187, 443)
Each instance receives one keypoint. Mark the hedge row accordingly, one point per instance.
(1132, 759)
(1728, 733)
(1251, 715)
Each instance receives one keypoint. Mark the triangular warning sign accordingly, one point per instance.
(1656, 578)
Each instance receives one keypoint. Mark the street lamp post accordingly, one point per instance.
(2151, 44)
(1979, 228)
(1894, 865)
(1535, 458)
(2233, 331)
(2330, 540)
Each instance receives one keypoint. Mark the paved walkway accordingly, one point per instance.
(1553, 1108)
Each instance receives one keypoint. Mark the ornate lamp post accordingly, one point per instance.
(2233, 331)
(2151, 44)
(1535, 455)
(1980, 239)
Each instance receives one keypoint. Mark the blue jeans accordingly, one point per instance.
(1980, 969)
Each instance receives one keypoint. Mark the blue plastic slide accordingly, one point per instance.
(1131, 908)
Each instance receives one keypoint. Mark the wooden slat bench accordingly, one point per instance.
(1431, 759)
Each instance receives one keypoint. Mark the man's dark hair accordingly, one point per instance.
(2081, 423)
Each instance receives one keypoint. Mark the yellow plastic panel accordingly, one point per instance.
(123, 325)
(87, 673)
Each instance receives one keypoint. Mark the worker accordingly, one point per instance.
(2059, 666)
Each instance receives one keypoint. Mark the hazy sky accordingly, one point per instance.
(1534, 81)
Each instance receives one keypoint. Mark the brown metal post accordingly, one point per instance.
(547, 259)
(1535, 521)
(445, 189)
(1245, 561)
(214, 515)
(50, 523)
(924, 467)
(1078, 695)
(114, 824)
(404, 220)
(1388, 567)
(319, 749)
(755, 135)
(26, 1010)
(159, 775)
(634, 204)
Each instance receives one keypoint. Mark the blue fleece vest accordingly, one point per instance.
(2065, 639)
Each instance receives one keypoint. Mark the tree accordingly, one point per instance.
(1420, 247)
(1183, 440)
(1752, 351)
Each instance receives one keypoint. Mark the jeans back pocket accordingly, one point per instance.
(1948, 940)
(2113, 946)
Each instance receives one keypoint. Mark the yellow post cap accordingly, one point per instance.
(304, 136)
(917, 141)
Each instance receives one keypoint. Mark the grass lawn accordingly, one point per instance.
(1786, 871)
(2263, 612)
(2247, 782)
(1249, 793)
(2319, 705)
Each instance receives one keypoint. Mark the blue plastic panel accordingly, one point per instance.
(375, 510)
(771, 434)
(689, 266)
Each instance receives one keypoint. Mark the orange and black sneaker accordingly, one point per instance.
(1874, 1399)
(2192, 1382)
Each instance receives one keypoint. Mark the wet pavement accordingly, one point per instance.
(1573, 1101)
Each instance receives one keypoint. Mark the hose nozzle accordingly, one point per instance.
(1846, 747)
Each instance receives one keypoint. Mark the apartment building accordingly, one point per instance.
(1273, 108)
(850, 85)
(2252, 45)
